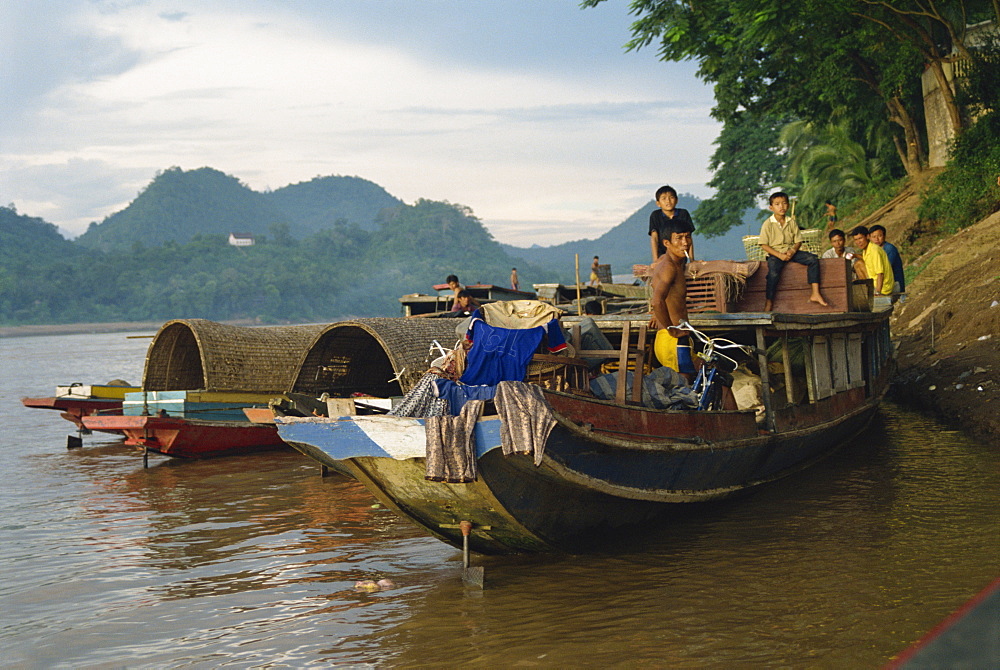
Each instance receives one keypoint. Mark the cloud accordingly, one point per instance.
(520, 110)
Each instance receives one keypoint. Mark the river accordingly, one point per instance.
(251, 561)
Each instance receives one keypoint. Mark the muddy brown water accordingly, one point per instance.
(251, 561)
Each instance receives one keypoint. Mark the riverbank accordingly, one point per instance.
(946, 329)
(113, 327)
(948, 332)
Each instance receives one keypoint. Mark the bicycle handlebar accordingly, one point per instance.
(718, 342)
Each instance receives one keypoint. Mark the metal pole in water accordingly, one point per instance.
(475, 575)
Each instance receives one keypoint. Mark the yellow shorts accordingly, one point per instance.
(673, 352)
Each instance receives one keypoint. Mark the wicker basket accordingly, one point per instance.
(812, 241)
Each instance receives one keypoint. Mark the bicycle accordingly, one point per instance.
(716, 370)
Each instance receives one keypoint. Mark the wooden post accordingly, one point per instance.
(640, 363)
(786, 361)
(623, 363)
(765, 380)
(579, 304)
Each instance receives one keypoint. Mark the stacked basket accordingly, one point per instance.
(812, 241)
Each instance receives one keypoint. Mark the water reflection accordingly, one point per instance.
(844, 565)
(251, 560)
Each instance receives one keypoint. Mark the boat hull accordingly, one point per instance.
(588, 484)
(73, 408)
(189, 438)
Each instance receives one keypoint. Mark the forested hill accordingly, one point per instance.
(179, 204)
(628, 243)
(340, 271)
(311, 206)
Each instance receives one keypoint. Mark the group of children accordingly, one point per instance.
(672, 246)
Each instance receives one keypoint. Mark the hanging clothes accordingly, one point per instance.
(525, 419)
(451, 445)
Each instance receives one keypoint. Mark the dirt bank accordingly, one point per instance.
(948, 328)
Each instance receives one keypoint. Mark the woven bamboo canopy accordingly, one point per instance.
(195, 354)
(366, 355)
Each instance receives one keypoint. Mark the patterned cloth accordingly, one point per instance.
(451, 445)
(525, 419)
(422, 400)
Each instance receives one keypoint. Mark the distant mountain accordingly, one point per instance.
(314, 205)
(180, 204)
(23, 238)
(627, 244)
(37, 268)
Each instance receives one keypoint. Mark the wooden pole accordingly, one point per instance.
(579, 304)
(786, 362)
(765, 380)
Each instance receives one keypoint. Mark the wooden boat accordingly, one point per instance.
(76, 401)
(611, 464)
(419, 304)
(188, 438)
(190, 424)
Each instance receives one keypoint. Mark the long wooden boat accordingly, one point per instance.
(188, 438)
(609, 464)
(76, 401)
(420, 304)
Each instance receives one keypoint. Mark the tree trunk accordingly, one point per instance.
(909, 155)
(947, 94)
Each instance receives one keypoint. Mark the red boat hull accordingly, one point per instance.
(74, 409)
(189, 438)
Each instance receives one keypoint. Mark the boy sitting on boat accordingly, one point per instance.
(781, 240)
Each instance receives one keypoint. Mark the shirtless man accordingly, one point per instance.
(669, 288)
(669, 302)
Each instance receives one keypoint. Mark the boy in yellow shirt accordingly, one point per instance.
(876, 262)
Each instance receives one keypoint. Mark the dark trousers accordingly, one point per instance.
(775, 265)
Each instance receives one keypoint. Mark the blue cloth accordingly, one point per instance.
(458, 394)
(554, 334)
(499, 354)
(684, 361)
(896, 263)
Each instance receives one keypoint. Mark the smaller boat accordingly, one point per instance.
(420, 304)
(188, 438)
(190, 424)
(76, 401)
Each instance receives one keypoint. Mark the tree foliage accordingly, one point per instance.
(340, 271)
(858, 61)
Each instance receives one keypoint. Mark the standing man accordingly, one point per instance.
(595, 267)
(876, 262)
(666, 198)
(514, 283)
(669, 301)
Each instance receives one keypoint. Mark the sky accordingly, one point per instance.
(530, 112)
